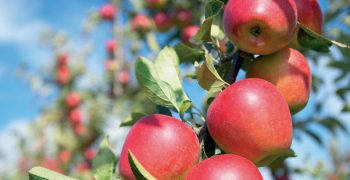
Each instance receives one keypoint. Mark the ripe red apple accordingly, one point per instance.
(107, 11)
(62, 59)
(226, 166)
(182, 17)
(310, 15)
(141, 23)
(124, 77)
(260, 26)
(89, 154)
(75, 116)
(110, 46)
(52, 164)
(251, 119)
(289, 71)
(165, 146)
(62, 75)
(64, 156)
(156, 4)
(72, 100)
(162, 21)
(188, 32)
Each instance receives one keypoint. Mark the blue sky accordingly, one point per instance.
(21, 22)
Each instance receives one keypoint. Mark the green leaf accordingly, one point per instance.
(212, 8)
(139, 171)
(132, 119)
(157, 90)
(184, 107)
(187, 54)
(312, 40)
(104, 164)
(314, 136)
(276, 158)
(207, 76)
(167, 66)
(346, 108)
(40, 173)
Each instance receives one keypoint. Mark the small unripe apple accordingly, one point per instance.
(72, 100)
(165, 146)
(64, 156)
(62, 75)
(226, 166)
(107, 11)
(260, 26)
(110, 46)
(141, 23)
(75, 116)
(289, 71)
(162, 21)
(188, 32)
(62, 59)
(89, 154)
(251, 119)
(182, 17)
(124, 77)
(310, 15)
(156, 4)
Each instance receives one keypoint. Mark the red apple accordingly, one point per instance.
(82, 167)
(52, 164)
(62, 59)
(310, 15)
(124, 77)
(165, 146)
(107, 11)
(251, 119)
(72, 100)
(156, 4)
(188, 32)
(64, 156)
(75, 116)
(289, 71)
(62, 75)
(260, 26)
(182, 17)
(78, 128)
(162, 21)
(226, 166)
(110, 46)
(141, 23)
(89, 154)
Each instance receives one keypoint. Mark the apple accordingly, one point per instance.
(82, 167)
(251, 119)
(75, 116)
(188, 32)
(260, 26)
(110, 65)
(62, 75)
(165, 146)
(124, 77)
(78, 128)
(310, 15)
(62, 59)
(156, 4)
(162, 21)
(107, 11)
(64, 156)
(72, 100)
(182, 17)
(89, 154)
(110, 46)
(226, 166)
(289, 71)
(141, 23)
(52, 164)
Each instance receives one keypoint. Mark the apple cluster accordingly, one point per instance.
(250, 120)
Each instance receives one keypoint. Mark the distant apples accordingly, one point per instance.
(141, 23)
(63, 75)
(251, 119)
(110, 46)
(260, 26)
(162, 21)
(289, 71)
(72, 100)
(107, 11)
(165, 146)
(189, 32)
(226, 166)
(182, 17)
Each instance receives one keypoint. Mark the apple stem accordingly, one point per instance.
(256, 31)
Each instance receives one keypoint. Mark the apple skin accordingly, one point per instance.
(162, 21)
(124, 77)
(251, 119)
(141, 23)
(165, 146)
(289, 71)
(156, 4)
(107, 11)
(62, 59)
(72, 100)
(110, 46)
(260, 26)
(226, 166)
(75, 116)
(310, 15)
(188, 32)
(63, 75)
